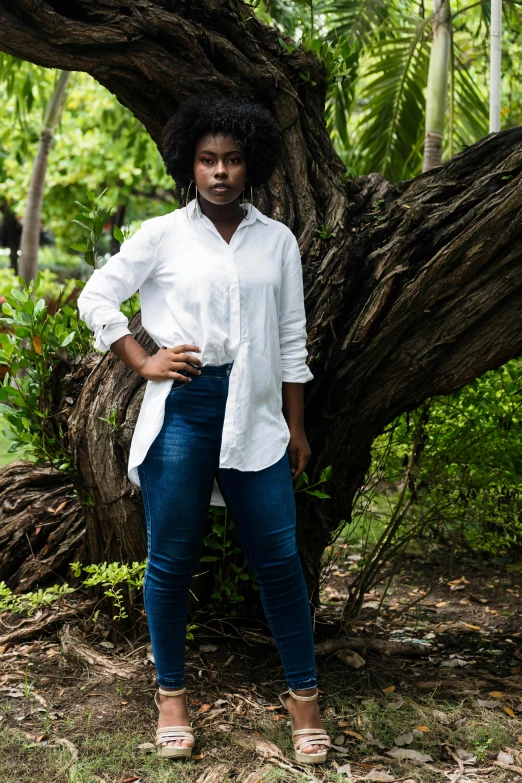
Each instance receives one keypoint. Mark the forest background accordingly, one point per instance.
(470, 467)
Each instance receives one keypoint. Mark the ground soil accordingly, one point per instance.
(457, 701)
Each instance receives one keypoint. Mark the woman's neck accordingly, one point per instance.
(223, 214)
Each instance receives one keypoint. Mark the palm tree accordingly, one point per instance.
(31, 224)
(401, 82)
(495, 73)
(436, 96)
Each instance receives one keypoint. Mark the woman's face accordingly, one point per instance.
(219, 162)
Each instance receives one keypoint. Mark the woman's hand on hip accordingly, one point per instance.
(167, 363)
(299, 451)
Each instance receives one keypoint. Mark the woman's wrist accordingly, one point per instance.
(131, 353)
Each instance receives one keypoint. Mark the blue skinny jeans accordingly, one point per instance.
(176, 477)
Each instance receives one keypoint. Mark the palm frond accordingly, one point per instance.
(392, 123)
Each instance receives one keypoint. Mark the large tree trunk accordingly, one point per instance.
(418, 292)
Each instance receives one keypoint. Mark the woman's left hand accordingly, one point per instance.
(299, 452)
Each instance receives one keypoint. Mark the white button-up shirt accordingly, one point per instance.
(240, 302)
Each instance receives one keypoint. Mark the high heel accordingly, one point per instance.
(170, 733)
(322, 737)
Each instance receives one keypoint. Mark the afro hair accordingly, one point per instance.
(250, 124)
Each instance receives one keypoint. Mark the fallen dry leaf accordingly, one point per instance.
(454, 663)
(509, 712)
(496, 694)
(389, 689)
(379, 776)
(350, 658)
(465, 756)
(441, 717)
(505, 758)
(147, 747)
(422, 728)
(395, 705)
(404, 739)
(458, 723)
(408, 753)
(204, 708)
(353, 734)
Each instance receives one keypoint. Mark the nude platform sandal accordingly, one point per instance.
(313, 736)
(170, 733)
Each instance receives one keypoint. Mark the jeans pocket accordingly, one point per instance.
(177, 385)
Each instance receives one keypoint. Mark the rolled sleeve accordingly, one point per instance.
(292, 320)
(101, 298)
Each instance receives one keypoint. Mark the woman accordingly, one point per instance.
(221, 420)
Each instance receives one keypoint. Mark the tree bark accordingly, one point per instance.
(31, 224)
(417, 290)
(42, 527)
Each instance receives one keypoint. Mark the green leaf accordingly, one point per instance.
(326, 474)
(70, 337)
(118, 234)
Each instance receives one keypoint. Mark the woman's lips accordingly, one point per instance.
(220, 189)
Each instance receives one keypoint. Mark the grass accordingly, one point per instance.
(107, 732)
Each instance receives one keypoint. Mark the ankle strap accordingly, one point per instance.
(163, 692)
(303, 698)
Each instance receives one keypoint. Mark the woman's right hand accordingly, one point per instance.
(167, 363)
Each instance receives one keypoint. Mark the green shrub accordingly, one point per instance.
(467, 482)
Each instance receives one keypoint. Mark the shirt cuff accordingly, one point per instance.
(300, 374)
(107, 335)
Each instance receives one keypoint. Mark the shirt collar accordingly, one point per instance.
(255, 213)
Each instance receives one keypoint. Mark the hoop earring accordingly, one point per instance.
(187, 198)
(251, 201)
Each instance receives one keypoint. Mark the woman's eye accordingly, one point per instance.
(209, 160)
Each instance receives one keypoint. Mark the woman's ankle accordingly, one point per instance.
(305, 691)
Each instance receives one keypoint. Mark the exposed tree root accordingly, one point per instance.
(76, 649)
(32, 626)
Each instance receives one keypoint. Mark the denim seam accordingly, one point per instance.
(145, 493)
